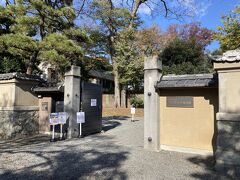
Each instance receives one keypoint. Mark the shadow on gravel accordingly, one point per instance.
(23, 141)
(74, 159)
(111, 122)
(135, 120)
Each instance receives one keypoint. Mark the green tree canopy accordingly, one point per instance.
(8, 61)
(129, 59)
(42, 31)
(229, 34)
(185, 53)
(184, 57)
(113, 23)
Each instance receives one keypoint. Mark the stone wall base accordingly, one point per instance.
(15, 123)
(227, 170)
(228, 147)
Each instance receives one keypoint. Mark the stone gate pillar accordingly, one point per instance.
(72, 99)
(228, 118)
(152, 74)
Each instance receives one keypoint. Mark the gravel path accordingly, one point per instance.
(116, 153)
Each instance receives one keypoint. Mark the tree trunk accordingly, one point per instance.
(116, 89)
(123, 97)
(32, 62)
(29, 69)
(135, 8)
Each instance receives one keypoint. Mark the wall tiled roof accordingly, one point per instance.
(102, 75)
(9, 76)
(188, 81)
(49, 88)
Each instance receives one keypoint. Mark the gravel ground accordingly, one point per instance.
(117, 153)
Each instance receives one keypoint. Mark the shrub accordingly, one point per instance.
(136, 102)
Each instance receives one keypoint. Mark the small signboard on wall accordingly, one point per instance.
(80, 117)
(58, 118)
(93, 102)
(180, 101)
(44, 106)
(53, 118)
(62, 117)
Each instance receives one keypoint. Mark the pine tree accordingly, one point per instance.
(43, 31)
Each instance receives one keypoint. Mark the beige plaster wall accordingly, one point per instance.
(24, 95)
(17, 93)
(108, 100)
(7, 93)
(189, 127)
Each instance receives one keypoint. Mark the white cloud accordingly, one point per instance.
(203, 8)
(197, 8)
(144, 9)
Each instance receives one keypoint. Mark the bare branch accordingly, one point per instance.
(81, 7)
(149, 7)
(166, 8)
(111, 4)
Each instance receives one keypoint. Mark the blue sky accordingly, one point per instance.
(208, 13)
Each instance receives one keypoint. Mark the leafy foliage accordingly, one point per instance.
(136, 102)
(229, 34)
(185, 53)
(32, 31)
(113, 23)
(191, 32)
(10, 63)
(128, 59)
(184, 57)
(217, 52)
(42, 31)
(151, 40)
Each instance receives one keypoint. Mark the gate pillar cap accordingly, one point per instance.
(229, 60)
(229, 56)
(152, 63)
(74, 71)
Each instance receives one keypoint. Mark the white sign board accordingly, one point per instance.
(58, 118)
(133, 110)
(62, 117)
(93, 102)
(80, 117)
(53, 118)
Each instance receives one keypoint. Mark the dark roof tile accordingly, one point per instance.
(59, 87)
(102, 75)
(182, 81)
(9, 76)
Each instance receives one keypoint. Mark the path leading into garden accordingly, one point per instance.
(117, 153)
